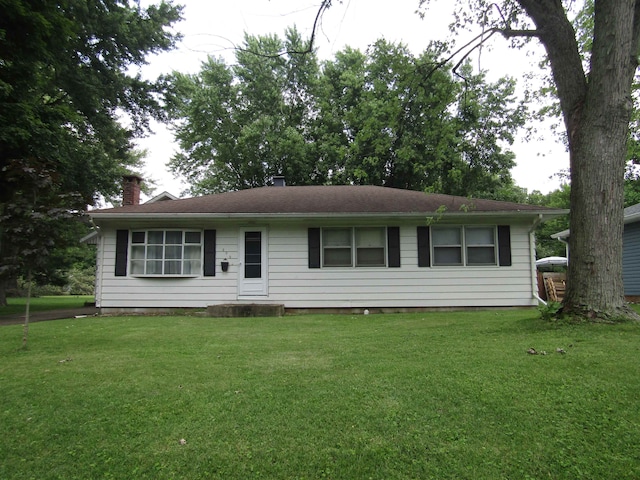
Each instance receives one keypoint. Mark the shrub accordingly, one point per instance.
(550, 310)
(81, 281)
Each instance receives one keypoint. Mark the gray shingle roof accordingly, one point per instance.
(632, 210)
(322, 200)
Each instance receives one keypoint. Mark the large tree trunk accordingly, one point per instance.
(599, 130)
(598, 134)
(594, 285)
(597, 109)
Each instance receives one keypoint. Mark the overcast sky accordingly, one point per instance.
(216, 27)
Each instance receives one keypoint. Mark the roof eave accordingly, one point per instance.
(546, 214)
(90, 238)
(562, 234)
(634, 217)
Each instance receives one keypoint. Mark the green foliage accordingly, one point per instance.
(631, 185)
(74, 280)
(67, 75)
(67, 78)
(81, 281)
(242, 125)
(33, 219)
(399, 127)
(40, 233)
(548, 247)
(549, 311)
(545, 245)
(438, 395)
(362, 118)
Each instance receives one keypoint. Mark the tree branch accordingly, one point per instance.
(509, 33)
(478, 40)
(558, 37)
(324, 6)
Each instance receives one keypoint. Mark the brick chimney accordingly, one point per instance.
(131, 190)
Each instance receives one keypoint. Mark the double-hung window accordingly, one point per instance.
(349, 246)
(336, 247)
(467, 245)
(480, 245)
(447, 245)
(166, 252)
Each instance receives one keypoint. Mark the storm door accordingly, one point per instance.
(253, 262)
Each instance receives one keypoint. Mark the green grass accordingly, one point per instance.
(40, 304)
(416, 396)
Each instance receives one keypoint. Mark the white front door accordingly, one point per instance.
(253, 262)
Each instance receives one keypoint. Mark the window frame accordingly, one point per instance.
(436, 248)
(484, 246)
(354, 248)
(169, 253)
(464, 246)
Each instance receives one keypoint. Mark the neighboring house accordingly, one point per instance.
(341, 247)
(630, 251)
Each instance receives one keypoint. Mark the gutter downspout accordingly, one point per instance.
(532, 246)
(99, 265)
(566, 248)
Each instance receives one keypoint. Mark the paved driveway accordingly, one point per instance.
(18, 318)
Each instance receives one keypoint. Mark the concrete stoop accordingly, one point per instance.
(245, 310)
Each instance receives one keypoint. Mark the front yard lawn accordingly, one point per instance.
(41, 304)
(412, 396)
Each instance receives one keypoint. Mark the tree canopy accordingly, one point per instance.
(362, 118)
(71, 102)
(67, 77)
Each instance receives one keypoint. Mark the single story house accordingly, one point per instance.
(630, 251)
(317, 247)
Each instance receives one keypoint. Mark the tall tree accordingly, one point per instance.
(401, 128)
(32, 223)
(393, 128)
(595, 99)
(363, 118)
(242, 125)
(67, 78)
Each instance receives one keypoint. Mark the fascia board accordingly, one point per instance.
(244, 216)
(635, 217)
(627, 219)
(562, 234)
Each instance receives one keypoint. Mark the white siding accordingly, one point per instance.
(295, 285)
(139, 292)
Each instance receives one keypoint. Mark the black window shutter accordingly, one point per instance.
(314, 247)
(209, 253)
(122, 250)
(393, 246)
(424, 247)
(504, 245)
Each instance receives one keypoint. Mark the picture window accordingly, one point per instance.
(166, 252)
